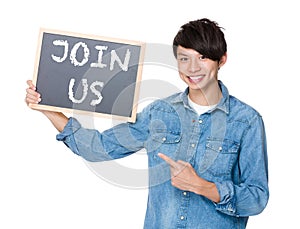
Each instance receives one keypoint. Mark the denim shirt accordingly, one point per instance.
(226, 146)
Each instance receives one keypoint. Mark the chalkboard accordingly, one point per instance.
(88, 74)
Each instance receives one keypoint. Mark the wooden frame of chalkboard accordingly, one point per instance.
(88, 74)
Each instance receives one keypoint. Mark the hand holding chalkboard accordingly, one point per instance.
(88, 74)
(32, 97)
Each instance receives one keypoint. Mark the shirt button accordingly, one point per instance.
(184, 193)
(182, 217)
(220, 148)
(200, 121)
(193, 145)
(164, 139)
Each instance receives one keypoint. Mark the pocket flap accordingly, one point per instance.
(166, 137)
(222, 146)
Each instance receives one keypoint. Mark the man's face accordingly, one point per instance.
(195, 70)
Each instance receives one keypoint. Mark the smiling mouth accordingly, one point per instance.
(195, 79)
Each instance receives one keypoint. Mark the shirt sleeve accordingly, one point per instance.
(117, 142)
(250, 195)
(67, 135)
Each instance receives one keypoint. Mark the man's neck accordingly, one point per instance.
(207, 97)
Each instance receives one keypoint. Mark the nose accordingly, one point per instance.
(195, 65)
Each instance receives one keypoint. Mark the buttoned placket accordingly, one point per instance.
(197, 123)
(185, 195)
(184, 204)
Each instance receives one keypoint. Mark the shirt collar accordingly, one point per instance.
(222, 105)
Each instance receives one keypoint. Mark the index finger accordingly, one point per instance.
(167, 159)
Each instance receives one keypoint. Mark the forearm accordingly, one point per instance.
(243, 199)
(58, 119)
(207, 189)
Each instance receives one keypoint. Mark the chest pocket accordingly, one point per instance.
(219, 157)
(165, 142)
(165, 130)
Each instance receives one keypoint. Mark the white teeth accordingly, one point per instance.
(196, 77)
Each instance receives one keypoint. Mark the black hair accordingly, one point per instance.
(204, 36)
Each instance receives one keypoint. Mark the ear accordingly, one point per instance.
(223, 60)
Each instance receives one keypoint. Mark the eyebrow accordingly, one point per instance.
(182, 54)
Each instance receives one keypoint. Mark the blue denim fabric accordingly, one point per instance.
(226, 145)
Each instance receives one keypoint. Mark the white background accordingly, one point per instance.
(43, 185)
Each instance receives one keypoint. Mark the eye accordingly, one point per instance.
(202, 57)
(183, 59)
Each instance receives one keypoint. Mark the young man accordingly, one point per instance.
(206, 149)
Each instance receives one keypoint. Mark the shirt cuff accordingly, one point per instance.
(227, 202)
(67, 134)
(71, 127)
